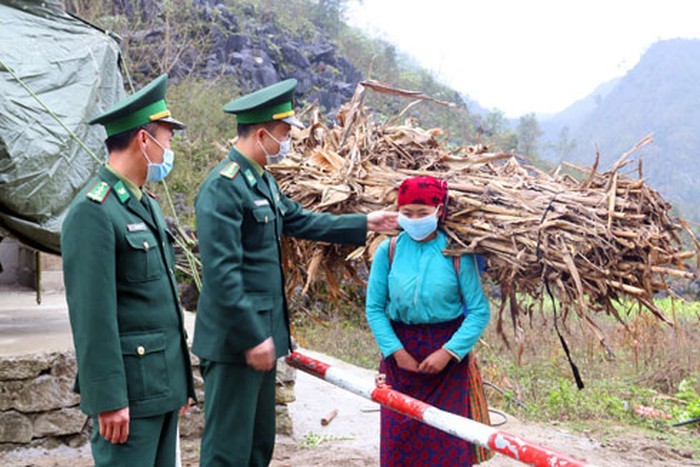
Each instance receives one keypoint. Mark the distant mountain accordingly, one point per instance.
(474, 107)
(573, 116)
(661, 96)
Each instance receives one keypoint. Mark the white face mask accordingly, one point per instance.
(285, 147)
(420, 228)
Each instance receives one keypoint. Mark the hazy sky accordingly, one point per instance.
(524, 56)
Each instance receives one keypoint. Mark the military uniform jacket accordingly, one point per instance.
(241, 217)
(127, 322)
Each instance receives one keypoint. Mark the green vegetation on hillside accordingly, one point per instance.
(160, 42)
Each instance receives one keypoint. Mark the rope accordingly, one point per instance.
(574, 368)
(125, 68)
(500, 414)
(507, 396)
(51, 113)
(687, 422)
(191, 259)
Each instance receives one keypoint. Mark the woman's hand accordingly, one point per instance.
(405, 361)
(436, 362)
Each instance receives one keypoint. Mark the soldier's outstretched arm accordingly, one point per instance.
(301, 223)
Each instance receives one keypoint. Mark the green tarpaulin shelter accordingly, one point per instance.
(72, 68)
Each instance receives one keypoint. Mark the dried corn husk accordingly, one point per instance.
(595, 238)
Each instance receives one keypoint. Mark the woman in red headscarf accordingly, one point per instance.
(426, 312)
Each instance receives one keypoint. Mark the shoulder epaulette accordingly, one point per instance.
(99, 192)
(231, 170)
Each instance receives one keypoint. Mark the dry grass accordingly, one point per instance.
(649, 364)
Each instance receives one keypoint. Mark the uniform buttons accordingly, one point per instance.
(140, 350)
(146, 245)
(171, 271)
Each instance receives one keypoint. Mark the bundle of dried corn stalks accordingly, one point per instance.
(594, 239)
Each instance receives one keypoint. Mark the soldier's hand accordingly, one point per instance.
(186, 408)
(114, 425)
(383, 221)
(262, 356)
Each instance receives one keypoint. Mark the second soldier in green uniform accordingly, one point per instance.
(242, 322)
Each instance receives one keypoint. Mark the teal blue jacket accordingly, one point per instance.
(241, 218)
(421, 287)
(125, 314)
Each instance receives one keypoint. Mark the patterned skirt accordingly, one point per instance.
(408, 442)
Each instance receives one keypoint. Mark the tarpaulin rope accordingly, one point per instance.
(50, 112)
(191, 259)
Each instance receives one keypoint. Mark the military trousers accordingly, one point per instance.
(151, 441)
(239, 415)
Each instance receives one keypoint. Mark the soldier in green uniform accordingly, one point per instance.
(134, 371)
(242, 323)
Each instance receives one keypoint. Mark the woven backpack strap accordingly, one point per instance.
(455, 265)
(478, 408)
(392, 250)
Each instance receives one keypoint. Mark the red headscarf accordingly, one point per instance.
(423, 190)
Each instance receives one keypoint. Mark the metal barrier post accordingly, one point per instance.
(462, 427)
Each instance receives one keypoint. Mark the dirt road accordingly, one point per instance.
(352, 438)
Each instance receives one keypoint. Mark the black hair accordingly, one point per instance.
(121, 141)
(245, 129)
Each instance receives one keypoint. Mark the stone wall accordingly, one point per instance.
(37, 402)
(192, 423)
(39, 408)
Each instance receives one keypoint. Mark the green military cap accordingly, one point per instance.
(142, 107)
(269, 104)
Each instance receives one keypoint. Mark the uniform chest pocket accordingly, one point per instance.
(258, 228)
(263, 215)
(264, 219)
(141, 259)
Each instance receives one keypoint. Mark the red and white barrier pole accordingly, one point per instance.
(462, 427)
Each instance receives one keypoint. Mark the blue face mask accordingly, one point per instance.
(158, 172)
(419, 229)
